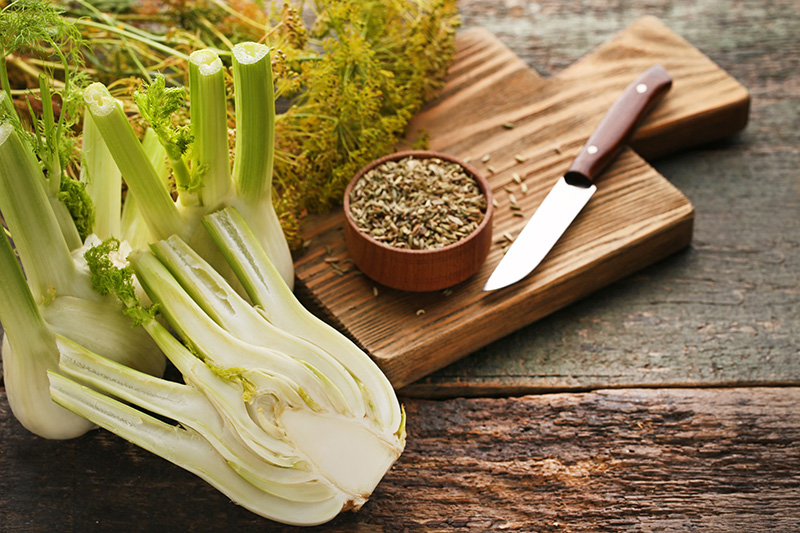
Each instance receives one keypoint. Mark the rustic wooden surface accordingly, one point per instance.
(724, 311)
(635, 219)
(635, 459)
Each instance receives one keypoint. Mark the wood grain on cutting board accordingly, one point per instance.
(495, 105)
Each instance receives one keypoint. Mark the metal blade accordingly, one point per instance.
(559, 208)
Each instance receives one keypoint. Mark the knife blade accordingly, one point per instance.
(574, 189)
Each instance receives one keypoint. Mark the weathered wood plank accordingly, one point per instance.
(635, 218)
(637, 459)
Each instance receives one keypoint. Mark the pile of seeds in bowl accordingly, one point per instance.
(417, 204)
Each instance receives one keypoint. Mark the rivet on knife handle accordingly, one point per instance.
(617, 125)
(572, 191)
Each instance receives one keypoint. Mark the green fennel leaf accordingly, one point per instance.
(109, 278)
(72, 193)
(157, 103)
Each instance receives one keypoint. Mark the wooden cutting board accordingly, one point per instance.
(530, 128)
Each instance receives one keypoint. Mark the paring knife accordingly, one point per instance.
(572, 191)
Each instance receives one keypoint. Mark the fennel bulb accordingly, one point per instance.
(294, 423)
(53, 295)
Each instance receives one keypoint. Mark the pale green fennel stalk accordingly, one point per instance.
(200, 162)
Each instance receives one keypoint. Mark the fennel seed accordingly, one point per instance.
(338, 270)
(417, 204)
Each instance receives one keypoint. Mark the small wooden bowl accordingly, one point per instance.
(419, 270)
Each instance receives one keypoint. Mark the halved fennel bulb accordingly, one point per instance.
(286, 423)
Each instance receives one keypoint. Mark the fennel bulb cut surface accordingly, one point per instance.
(296, 428)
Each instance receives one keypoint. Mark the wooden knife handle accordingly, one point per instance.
(616, 127)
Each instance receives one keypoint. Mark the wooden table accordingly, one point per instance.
(668, 401)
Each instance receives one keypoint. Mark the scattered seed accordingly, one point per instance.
(508, 126)
(508, 236)
(495, 203)
(524, 188)
(512, 198)
(516, 178)
(519, 158)
(447, 292)
(490, 168)
(420, 312)
(485, 158)
(374, 291)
